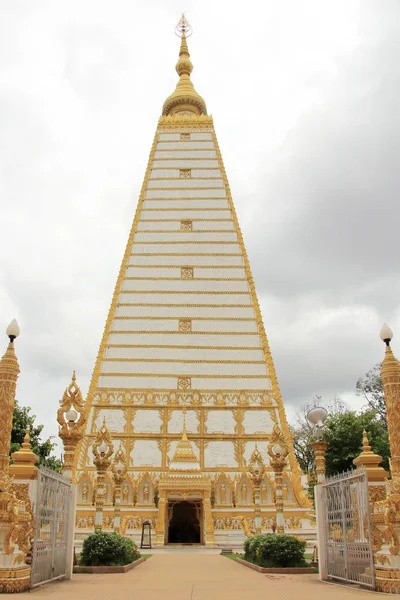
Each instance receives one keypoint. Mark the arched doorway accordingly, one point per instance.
(184, 524)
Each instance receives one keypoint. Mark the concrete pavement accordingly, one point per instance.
(189, 576)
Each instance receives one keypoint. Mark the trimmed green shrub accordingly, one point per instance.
(272, 550)
(103, 549)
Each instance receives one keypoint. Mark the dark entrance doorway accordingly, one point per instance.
(184, 523)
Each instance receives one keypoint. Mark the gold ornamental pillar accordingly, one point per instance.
(119, 473)
(278, 452)
(72, 417)
(320, 449)
(102, 451)
(386, 537)
(160, 523)
(209, 537)
(16, 521)
(257, 472)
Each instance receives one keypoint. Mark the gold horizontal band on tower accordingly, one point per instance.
(180, 231)
(178, 292)
(182, 333)
(157, 158)
(187, 305)
(233, 243)
(181, 279)
(179, 220)
(169, 346)
(150, 318)
(179, 266)
(191, 361)
(191, 199)
(191, 179)
(186, 209)
(186, 375)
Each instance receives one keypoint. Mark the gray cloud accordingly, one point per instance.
(304, 104)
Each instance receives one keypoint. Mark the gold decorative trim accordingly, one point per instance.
(192, 375)
(191, 199)
(186, 254)
(300, 496)
(186, 210)
(185, 347)
(130, 331)
(185, 230)
(219, 178)
(185, 325)
(117, 290)
(150, 318)
(220, 266)
(181, 292)
(177, 360)
(159, 158)
(128, 278)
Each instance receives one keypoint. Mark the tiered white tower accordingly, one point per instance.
(185, 330)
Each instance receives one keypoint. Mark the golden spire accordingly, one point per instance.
(370, 461)
(24, 460)
(185, 99)
(184, 451)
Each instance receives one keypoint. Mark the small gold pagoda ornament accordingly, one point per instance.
(71, 417)
(102, 451)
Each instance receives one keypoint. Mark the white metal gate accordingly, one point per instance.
(51, 510)
(348, 546)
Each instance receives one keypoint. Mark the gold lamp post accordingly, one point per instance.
(16, 519)
(119, 473)
(257, 472)
(278, 452)
(102, 451)
(317, 416)
(72, 418)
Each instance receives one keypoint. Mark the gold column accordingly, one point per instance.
(16, 521)
(71, 417)
(209, 537)
(119, 473)
(160, 524)
(102, 451)
(320, 449)
(388, 554)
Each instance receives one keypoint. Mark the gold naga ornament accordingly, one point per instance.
(72, 417)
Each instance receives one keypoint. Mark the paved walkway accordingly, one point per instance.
(195, 577)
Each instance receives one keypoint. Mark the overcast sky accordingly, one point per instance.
(304, 95)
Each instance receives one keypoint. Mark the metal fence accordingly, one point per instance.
(51, 511)
(348, 543)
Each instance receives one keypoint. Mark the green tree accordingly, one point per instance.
(344, 433)
(22, 418)
(371, 388)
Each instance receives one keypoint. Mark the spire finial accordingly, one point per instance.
(366, 446)
(184, 100)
